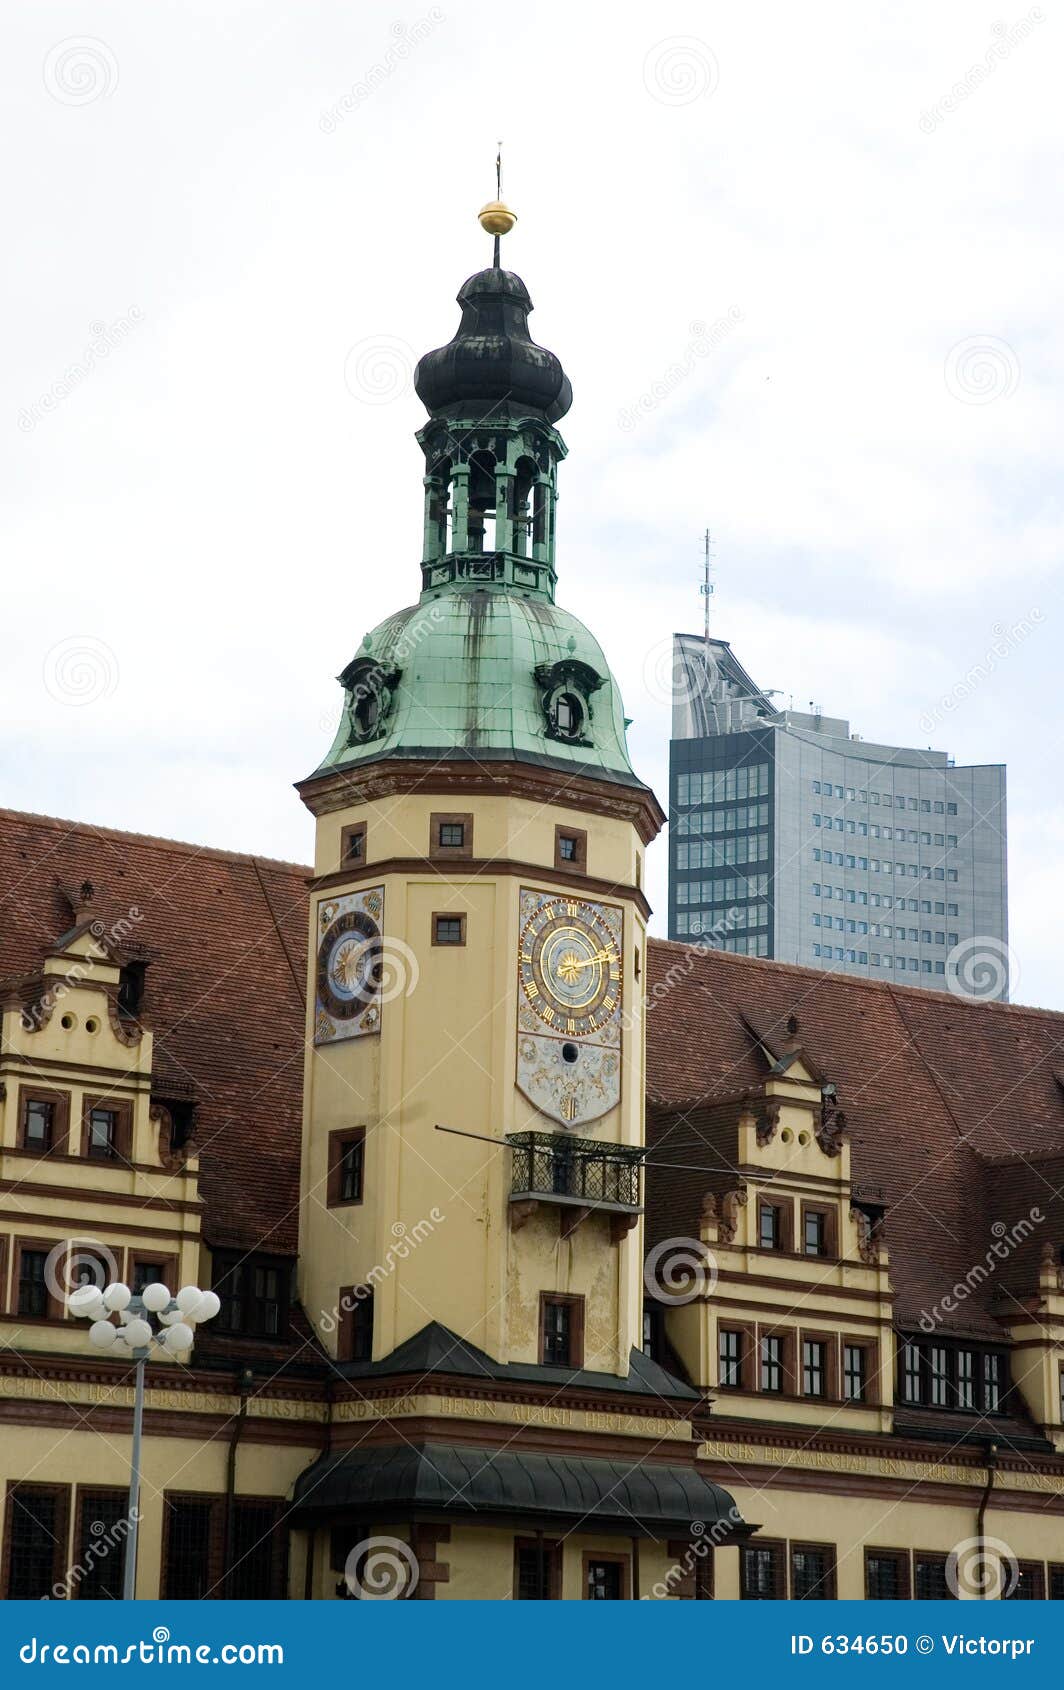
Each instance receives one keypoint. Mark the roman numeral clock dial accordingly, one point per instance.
(569, 1006)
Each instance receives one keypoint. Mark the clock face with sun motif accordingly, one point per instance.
(348, 985)
(569, 1005)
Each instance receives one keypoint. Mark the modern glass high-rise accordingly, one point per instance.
(791, 837)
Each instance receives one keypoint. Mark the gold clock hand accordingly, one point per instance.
(600, 956)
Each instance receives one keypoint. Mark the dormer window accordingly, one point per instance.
(567, 689)
(949, 1373)
(366, 712)
(370, 690)
(131, 988)
(568, 715)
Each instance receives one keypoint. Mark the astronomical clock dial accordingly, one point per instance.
(569, 1006)
(348, 966)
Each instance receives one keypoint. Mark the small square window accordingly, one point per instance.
(448, 930)
(353, 844)
(570, 848)
(451, 835)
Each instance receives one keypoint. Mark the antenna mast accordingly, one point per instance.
(707, 583)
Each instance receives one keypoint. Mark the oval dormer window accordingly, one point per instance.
(367, 713)
(569, 715)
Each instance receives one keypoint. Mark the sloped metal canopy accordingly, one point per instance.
(647, 1497)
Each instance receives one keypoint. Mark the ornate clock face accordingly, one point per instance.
(348, 966)
(569, 1006)
(570, 967)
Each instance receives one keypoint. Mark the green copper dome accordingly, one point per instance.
(486, 666)
(483, 674)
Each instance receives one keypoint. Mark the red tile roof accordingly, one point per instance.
(955, 1108)
(226, 935)
(933, 1087)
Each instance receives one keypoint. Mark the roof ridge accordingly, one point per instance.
(915, 994)
(999, 1158)
(924, 1063)
(182, 846)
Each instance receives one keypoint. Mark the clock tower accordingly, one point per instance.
(471, 1228)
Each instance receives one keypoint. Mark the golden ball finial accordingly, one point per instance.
(495, 218)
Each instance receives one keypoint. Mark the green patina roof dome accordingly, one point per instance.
(483, 674)
(486, 667)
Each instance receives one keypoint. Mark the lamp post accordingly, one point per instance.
(134, 1336)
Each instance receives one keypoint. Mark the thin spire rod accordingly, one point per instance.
(498, 195)
(707, 583)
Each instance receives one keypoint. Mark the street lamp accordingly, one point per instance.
(134, 1336)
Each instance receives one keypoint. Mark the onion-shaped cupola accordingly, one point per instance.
(492, 359)
(487, 666)
(491, 448)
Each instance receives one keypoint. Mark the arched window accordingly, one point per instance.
(525, 494)
(440, 512)
(482, 499)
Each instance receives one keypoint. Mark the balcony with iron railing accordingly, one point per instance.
(557, 1168)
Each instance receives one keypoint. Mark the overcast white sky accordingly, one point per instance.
(840, 297)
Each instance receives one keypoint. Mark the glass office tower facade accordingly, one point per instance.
(790, 837)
